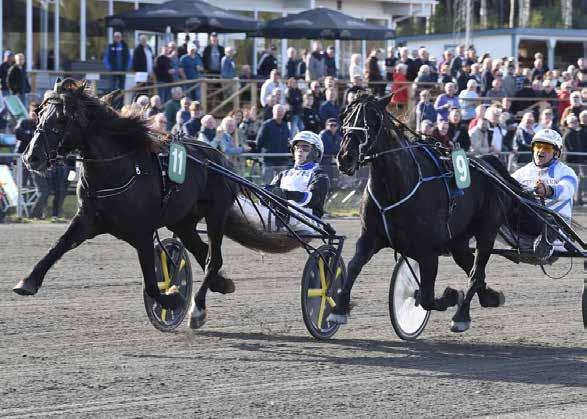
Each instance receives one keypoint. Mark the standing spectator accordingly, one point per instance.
(446, 59)
(208, 131)
(575, 143)
(373, 73)
(183, 115)
(356, 68)
(468, 102)
(471, 56)
(538, 71)
(424, 59)
(159, 122)
(4, 67)
(497, 91)
(520, 77)
(523, 138)
(227, 66)
(318, 94)
(330, 62)
(457, 62)
(154, 106)
(525, 93)
(183, 49)
(249, 128)
(292, 64)
(444, 76)
(172, 54)
(479, 135)
(213, 54)
(117, 58)
(458, 132)
(294, 99)
(426, 128)
(192, 127)
(267, 63)
(329, 109)
(272, 83)
(496, 131)
(173, 106)
(546, 121)
(404, 58)
(268, 108)
(564, 97)
(18, 80)
(486, 76)
(24, 131)
(316, 69)
(390, 63)
(424, 110)
(509, 81)
(424, 81)
(399, 89)
(164, 72)
(551, 96)
(576, 106)
(331, 139)
(464, 77)
(446, 101)
(142, 56)
(190, 68)
(310, 118)
(479, 116)
(273, 137)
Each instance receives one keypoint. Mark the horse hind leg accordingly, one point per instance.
(428, 272)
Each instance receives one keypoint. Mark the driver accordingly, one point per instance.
(304, 185)
(551, 180)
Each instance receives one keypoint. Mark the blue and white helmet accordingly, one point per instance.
(310, 138)
(549, 136)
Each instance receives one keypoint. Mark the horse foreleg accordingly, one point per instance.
(366, 247)
(428, 272)
(461, 321)
(80, 229)
(170, 300)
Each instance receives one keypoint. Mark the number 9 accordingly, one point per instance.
(461, 168)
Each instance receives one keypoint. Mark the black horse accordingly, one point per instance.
(122, 192)
(409, 205)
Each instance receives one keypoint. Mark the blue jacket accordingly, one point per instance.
(328, 110)
(274, 138)
(227, 68)
(117, 57)
(331, 142)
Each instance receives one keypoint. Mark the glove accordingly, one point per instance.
(278, 192)
(543, 190)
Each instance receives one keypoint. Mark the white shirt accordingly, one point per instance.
(267, 89)
(149, 56)
(560, 177)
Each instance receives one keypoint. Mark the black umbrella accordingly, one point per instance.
(183, 16)
(323, 23)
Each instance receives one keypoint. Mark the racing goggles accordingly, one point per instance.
(547, 148)
(303, 147)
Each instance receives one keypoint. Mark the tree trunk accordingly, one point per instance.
(512, 12)
(566, 12)
(524, 13)
(483, 14)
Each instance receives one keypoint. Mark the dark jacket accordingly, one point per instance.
(331, 142)
(330, 63)
(24, 131)
(311, 120)
(328, 110)
(576, 142)
(274, 138)
(139, 58)
(117, 57)
(18, 81)
(293, 97)
(208, 56)
(192, 127)
(267, 63)
(161, 69)
(4, 67)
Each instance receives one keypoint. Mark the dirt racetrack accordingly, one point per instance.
(83, 347)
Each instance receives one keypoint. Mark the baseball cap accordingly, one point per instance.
(332, 121)
(8, 53)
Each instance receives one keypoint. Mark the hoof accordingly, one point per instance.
(223, 286)
(459, 327)
(452, 297)
(26, 287)
(337, 318)
(491, 298)
(197, 317)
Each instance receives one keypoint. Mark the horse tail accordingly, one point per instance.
(254, 236)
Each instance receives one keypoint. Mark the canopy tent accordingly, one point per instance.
(183, 16)
(323, 23)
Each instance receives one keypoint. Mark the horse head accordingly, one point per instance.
(60, 124)
(362, 124)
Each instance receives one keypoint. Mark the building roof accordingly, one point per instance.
(541, 32)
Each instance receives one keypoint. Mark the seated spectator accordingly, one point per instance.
(183, 114)
(509, 81)
(463, 77)
(424, 109)
(468, 102)
(329, 109)
(399, 89)
(208, 131)
(546, 120)
(551, 97)
(523, 138)
(446, 101)
(564, 97)
(497, 133)
(249, 128)
(154, 106)
(294, 100)
(426, 128)
(444, 76)
(173, 106)
(424, 81)
(228, 141)
(273, 137)
(440, 134)
(159, 122)
(390, 62)
(310, 118)
(318, 94)
(24, 131)
(330, 62)
(272, 83)
(497, 91)
(479, 115)
(331, 139)
(458, 133)
(268, 108)
(192, 127)
(373, 73)
(479, 135)
(356, 68)
(576, 106)
(292, 63)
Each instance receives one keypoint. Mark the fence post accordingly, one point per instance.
(237, 99)
(20, 199)
(254, 93)
(33, 79)
(204, 96)
(411, 100)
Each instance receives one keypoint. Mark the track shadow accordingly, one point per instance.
(529, 364)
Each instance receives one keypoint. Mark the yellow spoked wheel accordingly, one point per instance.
(175, 273)
(318, 289)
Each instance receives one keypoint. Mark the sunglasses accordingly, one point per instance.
(303, 147)
(547, 148)
(332, 125)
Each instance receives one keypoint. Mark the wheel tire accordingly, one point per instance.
(584, 303)
(168, 320)
(408, 319)
(316, 308)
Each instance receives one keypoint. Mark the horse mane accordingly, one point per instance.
(96, 117)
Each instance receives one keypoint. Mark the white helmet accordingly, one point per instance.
(549, 136)
(310, 138)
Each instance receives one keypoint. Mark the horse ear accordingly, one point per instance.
(57, 84)
(384, 101)
(80, 90)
